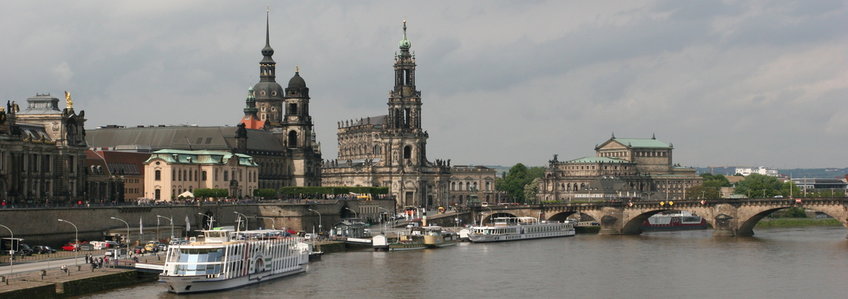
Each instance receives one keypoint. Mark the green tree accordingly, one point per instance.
(710, 188)
(265, 193)
(210, 192)
(758, 186)
(531, 189)
(514, 181)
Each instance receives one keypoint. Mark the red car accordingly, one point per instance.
(72, 247)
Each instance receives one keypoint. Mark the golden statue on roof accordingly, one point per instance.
(68, 101)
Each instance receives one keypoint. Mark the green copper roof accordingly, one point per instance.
(597, 160)
(404, 43)
(642, 142)
(199, 157)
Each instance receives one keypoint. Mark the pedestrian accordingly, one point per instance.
(86, 258)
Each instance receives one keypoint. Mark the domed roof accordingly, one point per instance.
(297, 81)
(404, 44)
(267, 89)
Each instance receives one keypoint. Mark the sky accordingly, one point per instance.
(502, 82)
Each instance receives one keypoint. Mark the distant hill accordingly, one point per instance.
(792, 172)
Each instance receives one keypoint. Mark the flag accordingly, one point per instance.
(140, 227)
(188, 225)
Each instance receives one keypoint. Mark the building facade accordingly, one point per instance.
(282, 142)
(102, 186)
(391, 150)
(169, 173)
(42, 153)
(470, 183)
(631, 168)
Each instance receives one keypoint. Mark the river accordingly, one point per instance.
(809, 262)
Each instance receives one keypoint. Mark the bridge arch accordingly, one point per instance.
(633, 224)
(749, 218)
(565, 215)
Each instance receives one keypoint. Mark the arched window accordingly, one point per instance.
(292, 138)
(158, 176)
(377, 149)
(407, 152)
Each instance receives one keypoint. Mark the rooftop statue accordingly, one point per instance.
(68, 101)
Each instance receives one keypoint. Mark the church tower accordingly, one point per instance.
(269, 94)
(404, 118)
(297, 124)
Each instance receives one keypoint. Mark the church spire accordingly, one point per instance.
(267, 65)
(404, 44)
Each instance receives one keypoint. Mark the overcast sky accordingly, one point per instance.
(728, 83)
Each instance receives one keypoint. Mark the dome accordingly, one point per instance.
(297, 81)
(405, 43)
(266, 89)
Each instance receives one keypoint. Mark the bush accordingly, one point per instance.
(265, 193)
(211, 192)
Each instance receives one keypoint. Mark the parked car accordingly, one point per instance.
(42, 249)
(84, 245)
(24, 249)
(151, 246)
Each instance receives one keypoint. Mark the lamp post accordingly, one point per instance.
(246, 223)
(76, 240)
(319, 219)
(11, 252)
(128, 230)
(354, 212)
(172, 224)
(211, 219)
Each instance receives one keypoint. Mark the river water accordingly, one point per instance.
(777, 263)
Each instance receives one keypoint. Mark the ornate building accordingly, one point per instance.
(391, 150)
(170, 173)
(469, 183)
(42, 152)
(632, 168)
(283, 145)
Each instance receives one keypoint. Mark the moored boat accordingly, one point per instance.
(435, 237)
(226, 259)
(520, 228)
(678, 220)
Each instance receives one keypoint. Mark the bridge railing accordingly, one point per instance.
(671, 203)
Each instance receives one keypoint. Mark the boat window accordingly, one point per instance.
(199, 261)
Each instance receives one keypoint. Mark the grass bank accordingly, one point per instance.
(796, 222)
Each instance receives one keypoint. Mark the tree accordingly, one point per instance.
(265, 193)
(531, 189)
(710, 188)
(514, 181)
(757, 185)
(210, 192)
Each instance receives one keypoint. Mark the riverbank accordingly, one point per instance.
(796, 222)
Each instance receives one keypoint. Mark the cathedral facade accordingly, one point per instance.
(630, 168)
(391, 150)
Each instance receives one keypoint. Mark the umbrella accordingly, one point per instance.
(187, 194)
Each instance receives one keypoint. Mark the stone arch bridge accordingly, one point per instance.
(728, 217)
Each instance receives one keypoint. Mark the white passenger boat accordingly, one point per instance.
(226, 259)
(520, 228)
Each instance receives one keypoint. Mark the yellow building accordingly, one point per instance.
(169, 173)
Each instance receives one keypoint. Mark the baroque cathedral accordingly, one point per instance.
(391, 150)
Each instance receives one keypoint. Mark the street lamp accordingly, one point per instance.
(354, 212)
(211, 219)
(172, 223)
(11, 251)
(76, 240)
(246, 226)
(128, 231)
(319, 219)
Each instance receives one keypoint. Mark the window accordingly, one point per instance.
(407, 152)
(158, 178)
(292, 109)
(226, 176)
(292, 138)
(203, 175)
(158, 194)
